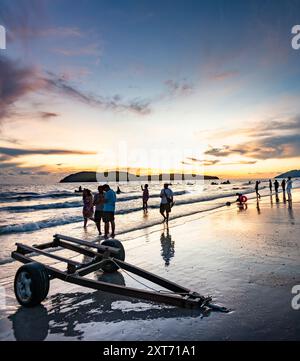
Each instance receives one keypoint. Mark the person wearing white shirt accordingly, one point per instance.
(166, 202)
(289, 186)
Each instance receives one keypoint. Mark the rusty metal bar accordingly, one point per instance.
(112, 250)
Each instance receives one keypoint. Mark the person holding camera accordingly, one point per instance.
(166, 202)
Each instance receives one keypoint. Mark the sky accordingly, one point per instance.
(211, 85)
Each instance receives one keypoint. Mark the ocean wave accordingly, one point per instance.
(37, 207)
(27, 196)
(73, 204)
(10, 194)
(54, 222)
(35, 226)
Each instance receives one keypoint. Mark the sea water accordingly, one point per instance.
(32, 214)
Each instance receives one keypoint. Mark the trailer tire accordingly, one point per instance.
(110, 267)
(31, 284)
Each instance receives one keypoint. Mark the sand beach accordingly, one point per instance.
(246, 259)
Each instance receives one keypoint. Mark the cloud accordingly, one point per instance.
(277, 138)
(23, 32)
(220, 152)
(240, 162)
(179, 88)
(61, 32)
(275, 147)
(9, 157)
(206, 162)
(114, 103)
(16, 82)
(91, 49)
(28, 14)
(224, 75)
(48, 115)
(15, 152)
(4, 165)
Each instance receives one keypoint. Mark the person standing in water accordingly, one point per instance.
(145, 197)
(166, 203)
(289, 186)
(276, 186)
(109, 210)
(283, 184)
(88, 209)
(99, 203)
(270, 185)
(256, 189)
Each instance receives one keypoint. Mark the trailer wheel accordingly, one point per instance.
(110, 266)
(31, 284)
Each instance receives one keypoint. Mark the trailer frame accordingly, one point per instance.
(101, 254)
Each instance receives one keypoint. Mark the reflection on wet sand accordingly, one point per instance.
(271, 200)
(68, 312)
(242, 207)
(284, 197)
(291, 212)
(257, 207)
(167, 246)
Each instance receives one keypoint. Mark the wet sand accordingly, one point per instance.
(246, 259)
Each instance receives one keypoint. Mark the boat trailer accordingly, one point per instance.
(32, 280)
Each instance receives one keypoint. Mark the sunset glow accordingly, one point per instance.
(82, 86)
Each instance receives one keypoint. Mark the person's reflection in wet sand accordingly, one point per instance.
(284, 197)
(167, 246)
(277, 198)
(258, 207)
(291, 212)
(271, 200)
(242, 207)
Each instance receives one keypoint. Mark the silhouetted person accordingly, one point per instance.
(239, 198)
(166, 203)
(88, 207)
(289, 186)
(118, 190)
(270, 185)
(99, 204)
(283, 184)
(276, 186)
(109, 210)
(257, 183)
(145, 197)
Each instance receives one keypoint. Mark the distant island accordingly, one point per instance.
(86, 177)
(292, 173)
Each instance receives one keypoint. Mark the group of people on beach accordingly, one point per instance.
(102, 206)
(105, 204)
(285, 185)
